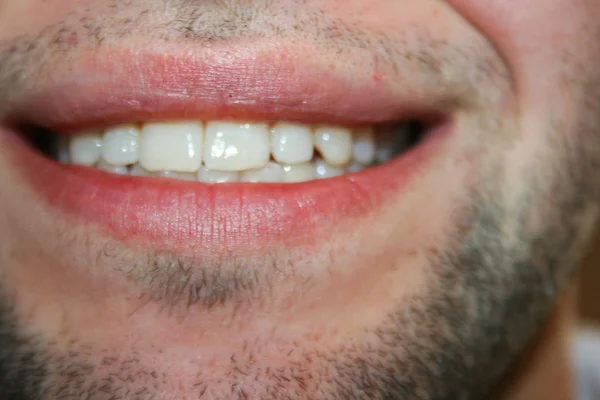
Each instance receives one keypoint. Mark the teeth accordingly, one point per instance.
(355, 167)
(210, 176)
(323, 170)
(186, 176)
(85, 149)
(63, 149)
(174, 147)
(385, 150)
(390, 142)
(334, 144)
(120, 145)
(272, 172)
(363, 146)
(236, 147)
(221, 152)
(384, 155)
(113, 169)
(292, 143)
(137, 170)
(298, 173)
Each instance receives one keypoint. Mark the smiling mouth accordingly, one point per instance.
(205, 170)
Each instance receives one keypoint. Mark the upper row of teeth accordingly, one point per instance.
(191, 147)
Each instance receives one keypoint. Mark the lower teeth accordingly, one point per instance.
(273, 172)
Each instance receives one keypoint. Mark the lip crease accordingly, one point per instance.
(177, 216)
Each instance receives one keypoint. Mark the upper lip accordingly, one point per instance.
(246, 83)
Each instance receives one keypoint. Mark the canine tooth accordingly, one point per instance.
(186, 176)
(113, 169)
(334, 143)
(85, 149)
(291, 143)
(173, 147)
(323, 170)
(120, 145)
(298, 172)
(363, 146)
(272, 172)
(211, 176)
(236, 147)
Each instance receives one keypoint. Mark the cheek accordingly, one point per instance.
(514, 26)
(546, 46)
(19, 17)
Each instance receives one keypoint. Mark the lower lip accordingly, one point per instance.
(173, 215)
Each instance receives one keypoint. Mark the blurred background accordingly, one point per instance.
(589, 294)
(586, 349)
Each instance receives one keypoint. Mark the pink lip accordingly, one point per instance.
(177, 215)
(110, 87)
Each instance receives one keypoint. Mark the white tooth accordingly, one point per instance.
(138, 170)
(85, 149)
(113, 169)
(384, 153)
(236, 147)
(272, 172)
(384, 148)
(173, 147)
(186, 176)
(390, 141)
(363, 147)
(334, 143)
(355, 167)
(298, 173)
(120, 146)
(292, 143)
(210, 176)
(323, 170)
(63, 150)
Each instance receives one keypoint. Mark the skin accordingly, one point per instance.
(456, 288)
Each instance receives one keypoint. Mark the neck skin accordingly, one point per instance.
(544, 370)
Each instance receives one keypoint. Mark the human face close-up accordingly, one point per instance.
(316, 199)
